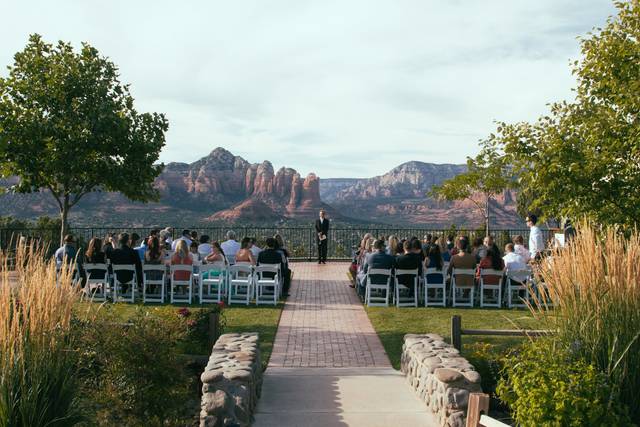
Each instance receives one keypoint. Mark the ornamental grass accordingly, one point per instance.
(594, 285)
(37, 375)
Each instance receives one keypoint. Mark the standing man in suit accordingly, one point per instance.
(322, 234)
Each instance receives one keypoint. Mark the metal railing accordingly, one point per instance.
(300, 241)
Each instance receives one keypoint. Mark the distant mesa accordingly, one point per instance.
(222, 187)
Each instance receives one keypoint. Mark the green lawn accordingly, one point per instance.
(263, 319)
(393, 323)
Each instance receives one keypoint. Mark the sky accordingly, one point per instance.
(342, 88)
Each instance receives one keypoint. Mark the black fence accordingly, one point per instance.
(300, 241)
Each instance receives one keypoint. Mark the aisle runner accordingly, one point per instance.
(328, 367)
(323, 323)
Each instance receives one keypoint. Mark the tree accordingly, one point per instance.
(69, 127)
(486, 176)
(583, 158)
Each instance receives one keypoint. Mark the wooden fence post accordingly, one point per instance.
(214, 328)
(478, 405)
(456, 332)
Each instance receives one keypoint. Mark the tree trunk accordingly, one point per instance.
(64, 213)
(486, 217)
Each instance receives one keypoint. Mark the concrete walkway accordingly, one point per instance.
(328, 367)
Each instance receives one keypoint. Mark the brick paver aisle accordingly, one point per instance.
(328, 367)
(323, 323)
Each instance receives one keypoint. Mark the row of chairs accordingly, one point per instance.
(434, 292)
(238, 283)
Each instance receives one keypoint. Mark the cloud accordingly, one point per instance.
(339, 88)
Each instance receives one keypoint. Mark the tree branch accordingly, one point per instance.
(56, 196)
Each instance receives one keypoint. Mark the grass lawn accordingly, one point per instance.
(263, 319)
(393, 323)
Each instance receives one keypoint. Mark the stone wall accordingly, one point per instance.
(231, 381)
(440, 376)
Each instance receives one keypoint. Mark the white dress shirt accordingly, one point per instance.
(255, 250)
(175, 243)
(230, 248)
(522, 251)
(536, 241)
(514, 262)
(204, 249)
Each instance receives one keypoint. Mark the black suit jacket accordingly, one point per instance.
(272, 256)
(125, 255)
(410, 261)
(379, 260)
(322, 227)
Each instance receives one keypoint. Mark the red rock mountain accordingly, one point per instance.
(222, 187)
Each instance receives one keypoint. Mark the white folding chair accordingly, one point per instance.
(97, 281)
(385, 289)
(267, 288)
(494, 289)
(455, 287)
(438, 286)
(213, 279)
(176, 284)
(231, 259)
(153, 280)
(118, 293)
(240, 283)
(518, 282)
(408, 299)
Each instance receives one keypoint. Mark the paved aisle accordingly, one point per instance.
(328, 367)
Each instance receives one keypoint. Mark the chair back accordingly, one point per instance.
(463, 272)
(430, 272)
(237, 269)
(90, 268)
(183, 268)
(231, 259)
(267, 268)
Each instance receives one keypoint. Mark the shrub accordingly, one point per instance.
(594, 283)
(132, 372)
(546, 385)
(37, 372)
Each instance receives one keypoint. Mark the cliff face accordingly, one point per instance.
(241, 190)
(224, 187)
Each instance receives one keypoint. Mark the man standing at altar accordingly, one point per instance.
(322, 236)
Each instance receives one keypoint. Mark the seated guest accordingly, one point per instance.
(518, 248)
(435, 260)
(194, 236)
(193, 250)
(245, 254)
(165, 240)
(487, 243)
(109, 244)
(125, 255)
(400, 247)
(186, 237)
(281, 247)
(427, 240)
(442, 248)
(182, 257)
(450, 243)
(410, 260)
(66, 254)
(477, 248)
(271, 255)
(142, 248)
(255, 249)
(362, 257)
(231, 245)
(463, 259)
(493, 261)
(216, 255)
(134, 239)
(168, 234)
(416, 249)
(154, 255)
(392, 246)
(204, 248)
(514, 262)
(378, 259)
(95, 255)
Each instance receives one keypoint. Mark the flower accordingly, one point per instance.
(191, 323)
(183, 312)
(221, 305)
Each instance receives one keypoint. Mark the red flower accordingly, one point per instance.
(221, 305)
(183, 312)
(191, 323)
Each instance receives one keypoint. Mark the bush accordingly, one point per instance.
(38, 385)
(546, 385)
(594, 285)
(132, 372)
